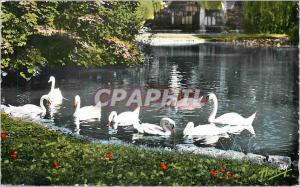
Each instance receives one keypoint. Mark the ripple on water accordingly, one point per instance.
(245, 80)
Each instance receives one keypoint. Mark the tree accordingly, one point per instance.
(100, 33)
(18, 23)
(271, 17)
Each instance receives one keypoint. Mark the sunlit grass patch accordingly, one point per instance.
(231, 37)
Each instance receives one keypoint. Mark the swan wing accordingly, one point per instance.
(28, 108)
(152, 129)
(208, 130)
(5, 108)
(127, 118)
(88, 112)
(32, 108)
(231, 119)
(55, 96)
(210, 139)
(204, 130)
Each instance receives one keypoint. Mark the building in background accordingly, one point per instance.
(191, 16)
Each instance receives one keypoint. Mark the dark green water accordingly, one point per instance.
(245, 80)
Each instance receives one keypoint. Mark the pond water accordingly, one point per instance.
(245, 80)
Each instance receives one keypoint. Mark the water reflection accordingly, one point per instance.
(77, 126)
(204, 139)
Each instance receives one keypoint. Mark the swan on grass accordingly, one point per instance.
(55, 94)
(166, 128)
(86, 112)
(231, 118)
(28, 109)
(127, 118)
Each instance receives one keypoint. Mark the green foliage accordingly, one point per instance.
(46, 13)
(231, 37)
(148, 8)
(44, 157)
(29, 61)
(18, 24)
(271, 17)
(210, 5)
(55, 49)
(123, 24)
(85, 27)
(91, 56)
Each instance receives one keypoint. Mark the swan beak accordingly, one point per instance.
(109, 125)
(173, 131)
(75, 105)
(204, 100)
(168, 103)
(49, 102)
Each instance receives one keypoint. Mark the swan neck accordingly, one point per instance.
(42, 104)
(136, 126)
(52, 84)
(166, 129)
(77, 105)
(213, 114)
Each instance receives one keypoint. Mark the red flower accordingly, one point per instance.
(55, 165)
(108, 155)
(229, 175)
(163, 166)
(13, 155)
(213, 172)
(238, 177)
(222, 170)
(4, 136)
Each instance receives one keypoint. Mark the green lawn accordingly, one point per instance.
(35, 155)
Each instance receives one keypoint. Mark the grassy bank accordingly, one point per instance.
(231, 37)
(249, 39)
(33, 154)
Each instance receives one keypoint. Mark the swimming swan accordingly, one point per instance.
(204, 130)
(28, 109)
(229, 118)
(86, 112)
(124, 119)
(55, 93)
(166, 128)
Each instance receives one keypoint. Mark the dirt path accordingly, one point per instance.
(169, 39)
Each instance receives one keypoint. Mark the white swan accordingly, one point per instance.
(5, 109)
(28, 109)
(55, 95)
(87, 112)
(166, 128)
(204, 130)
(229, 118)
(208, 134)
(124, 119)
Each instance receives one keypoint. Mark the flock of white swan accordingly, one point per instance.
(231, 123)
